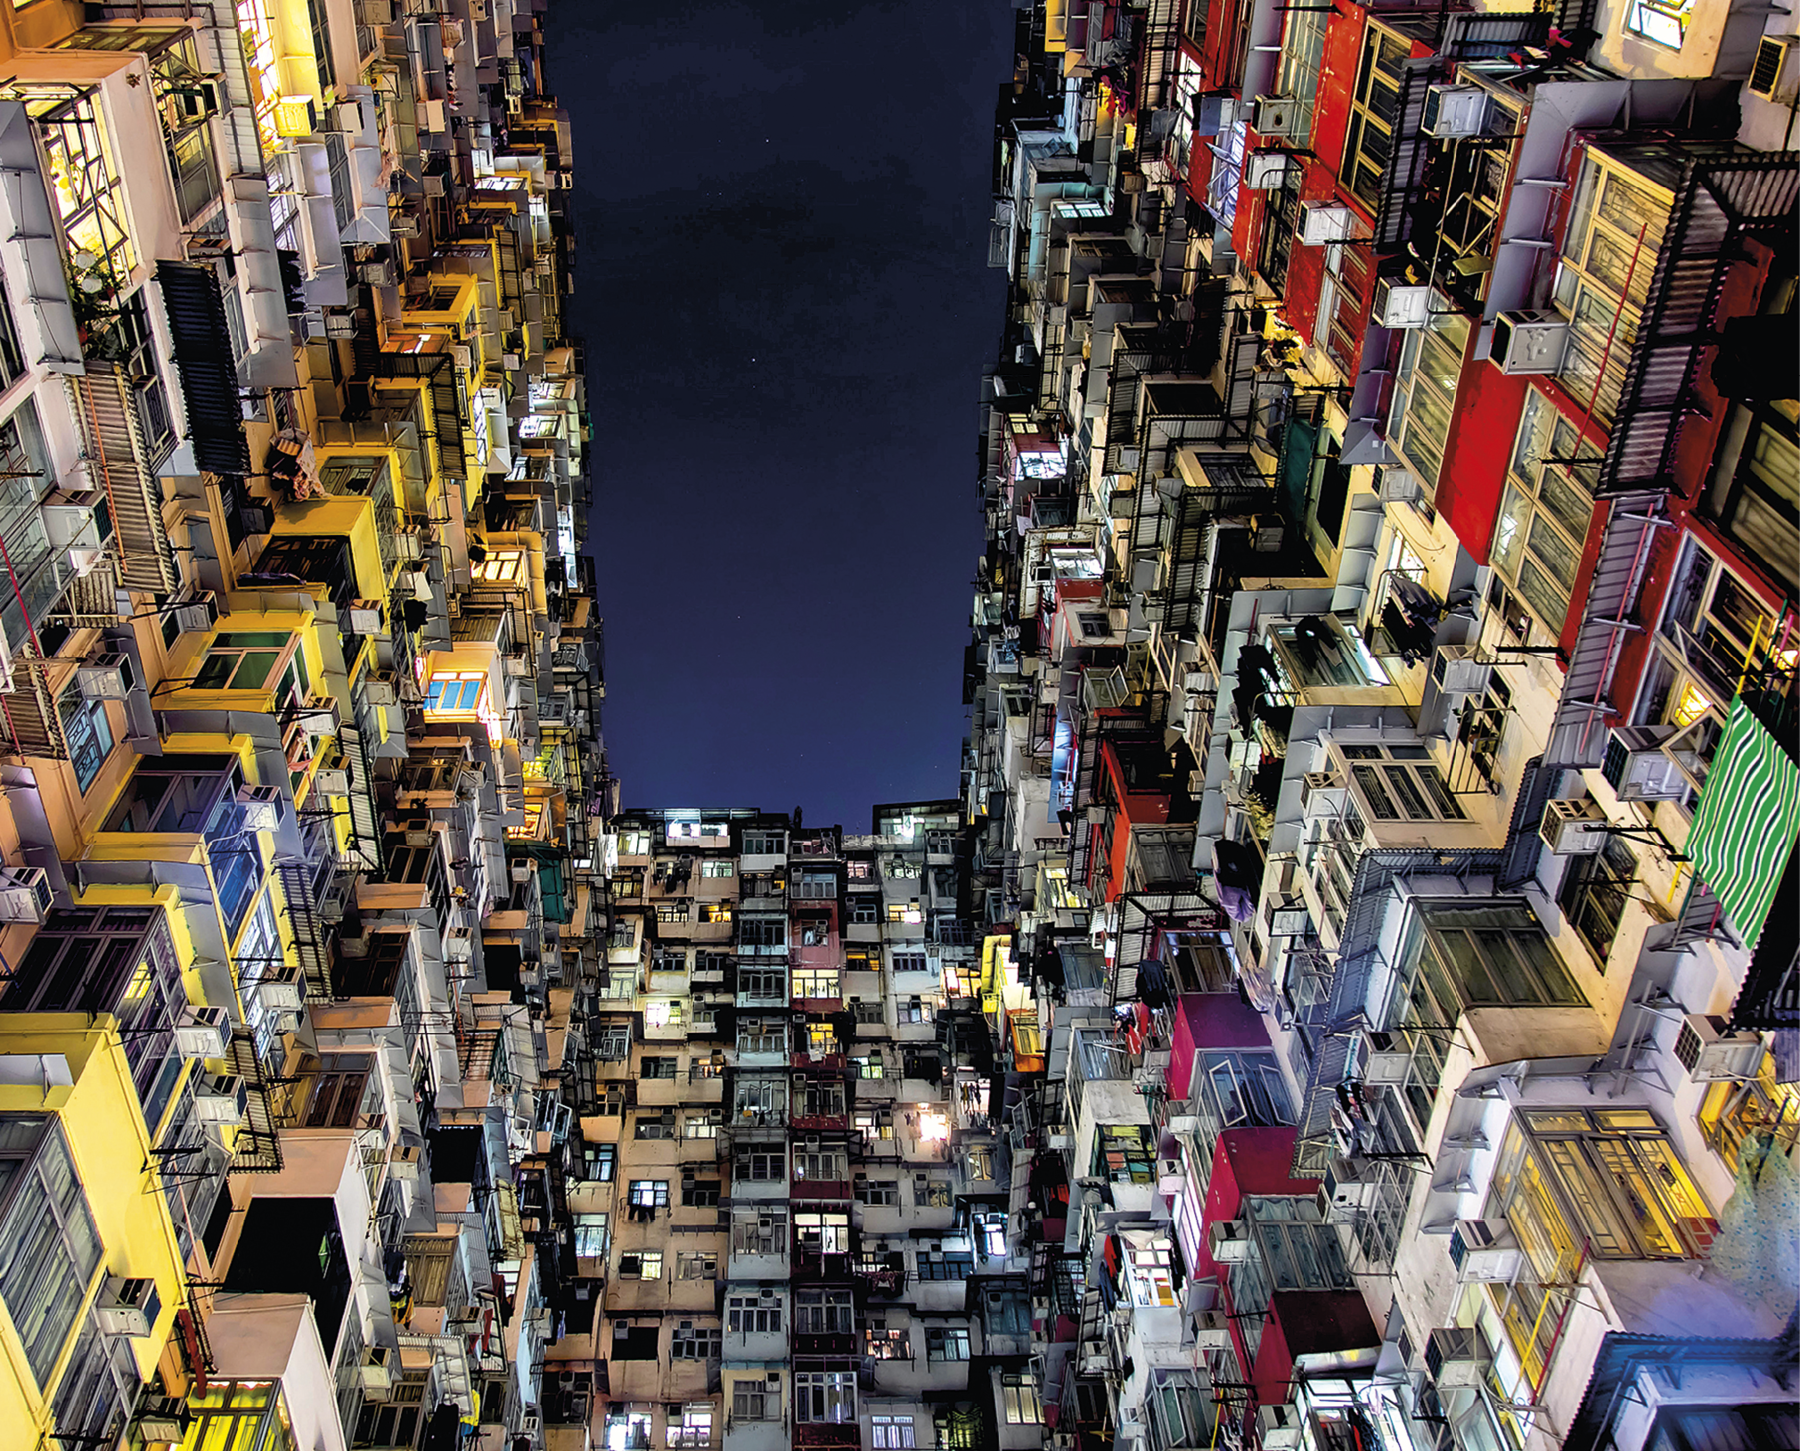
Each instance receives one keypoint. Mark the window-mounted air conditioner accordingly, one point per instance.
(105, 677)
(198, 613)
(1455, 1356)
(1529, 341)
(1267, 168)
(1453, 112)
(1401, 304)
(1485, 1251)
(1379, 1058)
(1573, 826)
(1708, 1049)
(25, 894)
(1212, 1330)
(1345, 1191)
(203, 1033)
(1267, 533)
(1279, 116)
(1228, 1241)
(375, 1374)
(220, 1098)
(1459, 670)
(262, 807)
(365, 617)
(331, 781)
(1637, 768)
(1278, 1428)
(281, 990)
(127, 1308)
(1323, 222)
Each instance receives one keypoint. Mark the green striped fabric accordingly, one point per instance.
(1745, 825)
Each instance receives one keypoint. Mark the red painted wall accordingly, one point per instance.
(1209, 1020)
(1482, 429)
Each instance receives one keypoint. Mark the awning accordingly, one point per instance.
(1746, 823)
(209, 382)
(118, 465)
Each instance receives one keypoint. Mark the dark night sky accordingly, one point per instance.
(782, 291)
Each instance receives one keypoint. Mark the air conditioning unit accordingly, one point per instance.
(1323, 222)
(1485, 1251)
(1212, 1330)
(1459, 670)
(1228, 1241)
(1278, 1428)
(106, 677)
(262, 807)
(409, 544)
(1279, 116)
(1380, 1058)
(1267, 168)
(320, 716)
(521, 872)
(1708, 1049)
(198, 613)
(1321, 790)
(161, 1420)
(1636, 767)
(220, 1098)
(203, 1033)
(1267, 532)
(1344, 1192)
(194, 102)
(281, 990)
(459, 945)
(1572, 826)
(25, 894)
(1398, 486)
(1401, 304)
(331, 781)
(365, 617)
(1770, 73)
(1452, 112)
(375, 1374)
(379, 692)
(403, 1164)
(1171, 1178)
(1455, 1356)
(1529, 342)
(127, 1307)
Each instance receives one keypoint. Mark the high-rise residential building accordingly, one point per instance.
(302, 799)
(1382, 765)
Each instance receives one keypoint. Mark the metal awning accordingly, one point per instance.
(203, 352)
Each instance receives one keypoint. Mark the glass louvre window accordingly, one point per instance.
(1545, 512)
(1615, 232)
(49, 1248)
(1375, 107)
(1430, 364)
(825, 1397)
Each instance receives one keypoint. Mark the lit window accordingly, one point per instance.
(641, 1265)
(1019, 1393)
(502, 566)
(88, 733)
(1663, 21)
(455, 692)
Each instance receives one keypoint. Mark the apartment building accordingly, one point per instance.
(1382, 772)
(791, 1205)
(305, 800)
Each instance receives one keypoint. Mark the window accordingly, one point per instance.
(613, 1042)
(1756, 499)
(1594, 892)
(877, 1191)
(696, 1265)
(1125, 1154)
(590, 1236)
(1663, 21)
(819, 1098)
(760, 1099)
(762, 984)
(456, 693)
(1404, 791)
(649, 1194)
(753, 1315)
(655, 1126)
(825, 1396)
(891, 1433)
(1544, 514)
(641, 1264)
(663, 1013)
(717, 867)
(49, 1249)
(765, 843)
(946, 1343)
(611, 1100)
(715, 911)
(815, 886)
(88, 733)
(929, 1193)
(699, 1193)
(762, 936)
(1019, 1399)
(501, 566)
(756, 1400)
(679, 911)
(904, 912)
(865, 910)
(882, 1341)
(981, 1163)
(761, 1232)
(867, 1065)
(1375, 104)
(1615, 231)
(1430, 364)
(691, 1341)
(760, 1166)
(823, 1312)
(694, 1425)
(873, 1124)
(817, 1233)
(814, 932)
(821, 1163)
(660, 1067)
(867, 1010)
(249, 660)
(916, 1010)
(702, 1125)
(815, 982)
(1149, 1275)
(936, 1263)
(600, 1161)
(910, 962)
